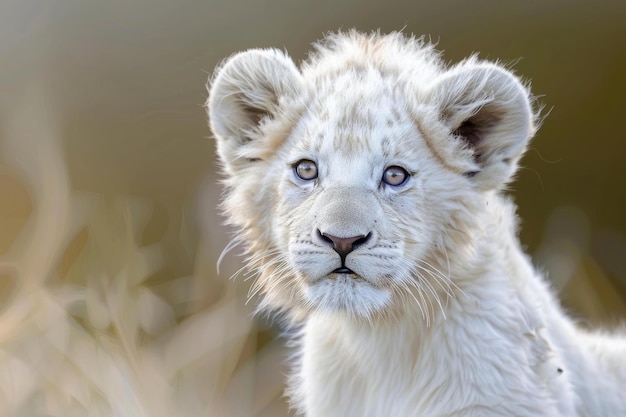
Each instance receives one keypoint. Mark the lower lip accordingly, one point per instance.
(343, 270)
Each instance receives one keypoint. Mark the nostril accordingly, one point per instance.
(324, 238)
(361, 241)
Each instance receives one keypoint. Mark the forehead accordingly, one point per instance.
(357, 112)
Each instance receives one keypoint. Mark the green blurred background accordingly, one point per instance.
(108, 189)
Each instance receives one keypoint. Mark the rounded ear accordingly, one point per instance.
(245, 92)
(488, 109)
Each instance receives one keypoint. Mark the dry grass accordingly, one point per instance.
(94, 320)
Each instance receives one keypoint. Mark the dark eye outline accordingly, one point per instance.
(406, 177)
(298, 164)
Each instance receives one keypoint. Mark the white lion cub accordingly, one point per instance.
(367, 185)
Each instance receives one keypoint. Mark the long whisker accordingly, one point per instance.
(424, 303)
(443, 282)
(430, 289)
(280, 279)
(229, 247)
(404, 286)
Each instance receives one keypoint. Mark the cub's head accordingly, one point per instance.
(359, 178)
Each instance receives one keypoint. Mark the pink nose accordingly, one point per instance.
(344, 245)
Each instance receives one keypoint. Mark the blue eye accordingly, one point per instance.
(305, 169)
(395, 176)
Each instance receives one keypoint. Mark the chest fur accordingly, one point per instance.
(463, 365)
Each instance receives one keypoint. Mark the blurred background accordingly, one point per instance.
(110, 301)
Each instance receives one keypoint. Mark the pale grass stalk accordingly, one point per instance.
(101, 339)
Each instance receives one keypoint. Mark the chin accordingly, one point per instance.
(349, 294)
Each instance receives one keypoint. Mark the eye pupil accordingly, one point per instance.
(306, 170)
(395, 176)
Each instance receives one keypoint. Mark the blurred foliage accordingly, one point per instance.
(110, 303)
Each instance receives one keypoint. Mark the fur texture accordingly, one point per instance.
(367, 185)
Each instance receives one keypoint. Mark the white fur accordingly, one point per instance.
(444, 314)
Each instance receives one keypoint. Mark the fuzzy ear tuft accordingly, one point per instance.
(246, 92)
(490, 112)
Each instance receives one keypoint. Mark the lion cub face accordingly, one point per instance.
(352, 179)
(356, 213)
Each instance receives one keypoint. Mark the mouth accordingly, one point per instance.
(346, 275)
(343, 270)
